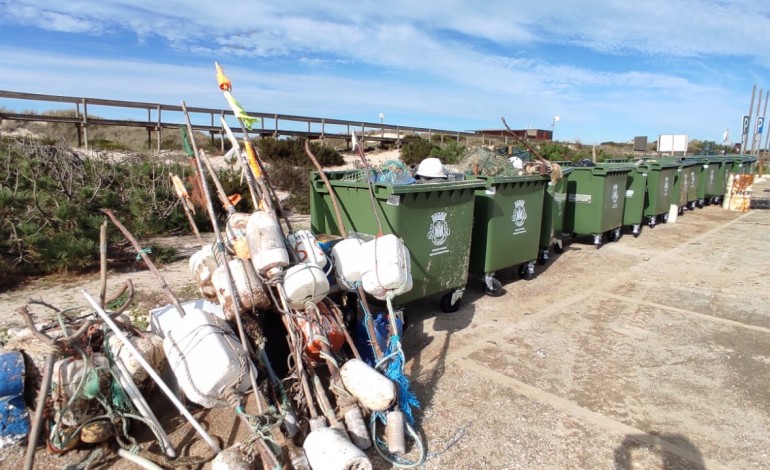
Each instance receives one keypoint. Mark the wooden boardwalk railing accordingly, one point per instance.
(158, 119)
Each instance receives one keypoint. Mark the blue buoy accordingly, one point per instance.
(14, 418)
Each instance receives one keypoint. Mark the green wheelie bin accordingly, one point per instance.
(742, 164)
(506, 227)
(595, 201)
(636, 189)
(711, 178)
(434, 219)
(685, 183)
(660, 190)
(554, 208)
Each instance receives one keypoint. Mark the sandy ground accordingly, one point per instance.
(648, 353)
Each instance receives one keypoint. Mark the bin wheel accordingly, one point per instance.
(542, 256)
(613, 235)
(558, 247)
(524, 272)
(665, 217)
(446, 303)
(493, 288)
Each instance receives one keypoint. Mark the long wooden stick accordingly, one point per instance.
(37, 420)
(163, 285)
(181, 193)
(523, 142)
(103, 262)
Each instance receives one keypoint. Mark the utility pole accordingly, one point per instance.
(745, 129)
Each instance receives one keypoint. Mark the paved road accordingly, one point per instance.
(652, 352)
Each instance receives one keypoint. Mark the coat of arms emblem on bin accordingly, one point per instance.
(439, 228)
(519, 213)
(614, 194)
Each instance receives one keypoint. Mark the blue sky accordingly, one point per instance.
(610, 69)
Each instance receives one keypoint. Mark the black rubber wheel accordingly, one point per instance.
(524, 272)
(446, 303)
(541, 260)
(558, 248)
(495, 291)
(665, 218)
(611, 236)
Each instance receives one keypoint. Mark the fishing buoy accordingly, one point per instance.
(394, 432)
(97, 431)
(357, 430)
(307, 248)
(203, 263)
(347, 256)
(149, 345)
(235, 458)
(304, 283)
(387, 267)
(329, 449)
(249, 289)
(375, 391)
(265, 240)
(324, 331)
(235, 234)
(14, 418)
(68, 373)
(206, 358)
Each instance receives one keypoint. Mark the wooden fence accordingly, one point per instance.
(160, 118)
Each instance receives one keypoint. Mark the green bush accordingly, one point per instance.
(50, 201)
(449, 153)
(293, 151)
(415, 151)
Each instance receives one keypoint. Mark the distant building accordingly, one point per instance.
(528, 134)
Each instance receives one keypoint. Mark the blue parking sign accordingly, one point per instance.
(760, 124)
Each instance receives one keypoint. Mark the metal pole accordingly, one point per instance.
(751, 107)
(764, 114)
(754, 135)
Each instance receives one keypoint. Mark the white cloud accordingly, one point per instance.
(465, 61)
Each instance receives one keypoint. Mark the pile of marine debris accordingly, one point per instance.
(337, 394)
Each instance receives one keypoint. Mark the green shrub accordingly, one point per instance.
(415, 151)
(50, 201)
(449, 153)
(293, 150)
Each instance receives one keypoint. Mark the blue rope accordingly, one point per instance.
(395, 372)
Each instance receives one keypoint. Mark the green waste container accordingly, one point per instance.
(714, 182)
(595, 201)
(506, 226)
(660, 190)
(636, 189)
(434, 220)
(685, 183)
(554, 208)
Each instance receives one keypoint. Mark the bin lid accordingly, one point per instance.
(386, 189)
(604, 168)
(493, 180)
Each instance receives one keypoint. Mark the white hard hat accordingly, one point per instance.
(431, 168)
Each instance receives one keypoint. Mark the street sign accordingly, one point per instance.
(760, 124)
(746, 123)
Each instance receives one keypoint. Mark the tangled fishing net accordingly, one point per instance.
(389, 172)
